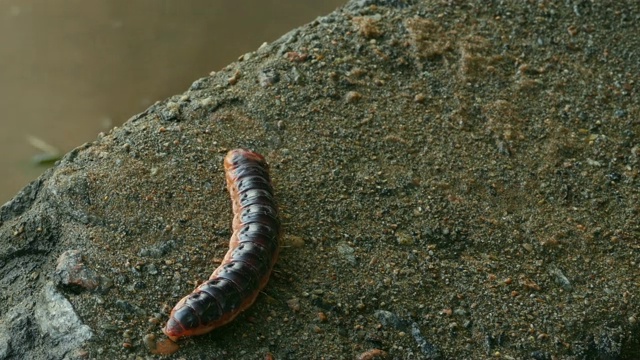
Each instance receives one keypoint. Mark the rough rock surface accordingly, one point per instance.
(456, 179)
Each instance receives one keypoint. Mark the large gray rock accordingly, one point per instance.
(456, 179)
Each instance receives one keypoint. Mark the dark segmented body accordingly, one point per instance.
(253, 250)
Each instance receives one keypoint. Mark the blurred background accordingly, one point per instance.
(70, 69)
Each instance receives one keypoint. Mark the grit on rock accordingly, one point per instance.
(456, 180)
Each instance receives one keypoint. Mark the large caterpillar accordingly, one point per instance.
(253, 250)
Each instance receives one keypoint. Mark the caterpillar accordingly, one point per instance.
(253, 250)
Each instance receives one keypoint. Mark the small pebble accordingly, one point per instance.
(404, 239)
(268, 77)
(322, 317)
(353, 96)
(294, 304)
(234, 78)
(294, 241)
(373, 354)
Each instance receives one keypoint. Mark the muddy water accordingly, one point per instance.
(71, 69)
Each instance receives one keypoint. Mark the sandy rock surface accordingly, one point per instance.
(456, 180)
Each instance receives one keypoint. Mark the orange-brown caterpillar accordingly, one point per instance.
(253, 250)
